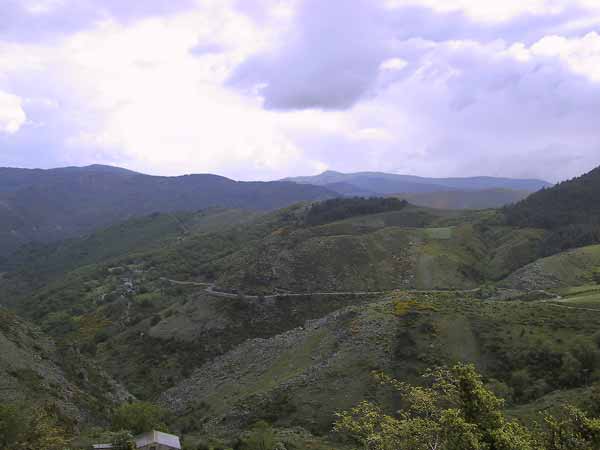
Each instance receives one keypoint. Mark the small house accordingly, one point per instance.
(157, 440)
(153, 440)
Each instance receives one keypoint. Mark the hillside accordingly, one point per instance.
(34, 265)
(477, 199)
(409, 248)
(570, 210)
(34, 369)
(303, 376)
(576, 267)
(379, 183)
(50, 205)
(226, 318)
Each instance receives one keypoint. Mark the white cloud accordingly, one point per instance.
(581, 54)
(12, 116)
(393, 64)
(138, 94)
(145, 95)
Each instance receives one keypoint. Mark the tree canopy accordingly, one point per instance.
(455, 411)
(344, 208)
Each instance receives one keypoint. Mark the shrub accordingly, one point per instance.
(139, 417)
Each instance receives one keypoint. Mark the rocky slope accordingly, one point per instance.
(34, 369)
(302, 376)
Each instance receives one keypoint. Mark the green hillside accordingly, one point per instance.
(226, 318)
(570, 210)
(33, 369)
(35, 265)
(303, 376)
(571, 268)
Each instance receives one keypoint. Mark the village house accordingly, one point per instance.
(153, 440)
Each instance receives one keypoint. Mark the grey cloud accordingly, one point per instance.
(17, 23)
(331, 56)
(496, 116)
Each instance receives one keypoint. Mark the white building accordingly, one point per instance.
(153, 440)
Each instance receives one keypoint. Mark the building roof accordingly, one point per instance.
(102, 446)
(158, 437)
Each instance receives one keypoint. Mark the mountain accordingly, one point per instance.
(49, 205)
(479, 199)
(385, 183)
(570, 210)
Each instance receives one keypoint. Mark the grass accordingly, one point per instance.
(588, 299)
(439, 233)
(575, 267)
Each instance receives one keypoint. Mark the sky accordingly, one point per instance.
(264, 89)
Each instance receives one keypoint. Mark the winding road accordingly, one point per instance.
(210, 289)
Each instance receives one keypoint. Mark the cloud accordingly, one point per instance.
(36, 20)
(465, 108)
(330, 57)
(138, 95)
(12, 116)
(261, 89)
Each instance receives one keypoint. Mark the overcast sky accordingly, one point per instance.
(262, 89)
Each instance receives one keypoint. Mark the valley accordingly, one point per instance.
(225, 318)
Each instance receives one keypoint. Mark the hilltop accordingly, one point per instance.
(50, 205)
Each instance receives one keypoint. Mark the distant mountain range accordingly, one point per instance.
(379, 183)
(48, 205)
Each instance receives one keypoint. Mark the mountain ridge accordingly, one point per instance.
(389, 183)
(55, 204)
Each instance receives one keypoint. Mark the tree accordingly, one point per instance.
(261, 437)
(13, 425)
(455, 412)
(573, 430)
(44, 432)
(139, 417)
(27, 428)
(122, 440)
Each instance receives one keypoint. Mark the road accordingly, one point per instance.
(209, 288)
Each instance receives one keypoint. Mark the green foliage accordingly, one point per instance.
(343, 208)
(573, 430)
(139, 417)
(455, 412)
(570, 209)
(13, 425)
(261, 437)
(122, 440)
(24, 427)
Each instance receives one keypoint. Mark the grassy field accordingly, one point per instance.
(575, 267)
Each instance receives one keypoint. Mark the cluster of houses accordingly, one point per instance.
(153, 440)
